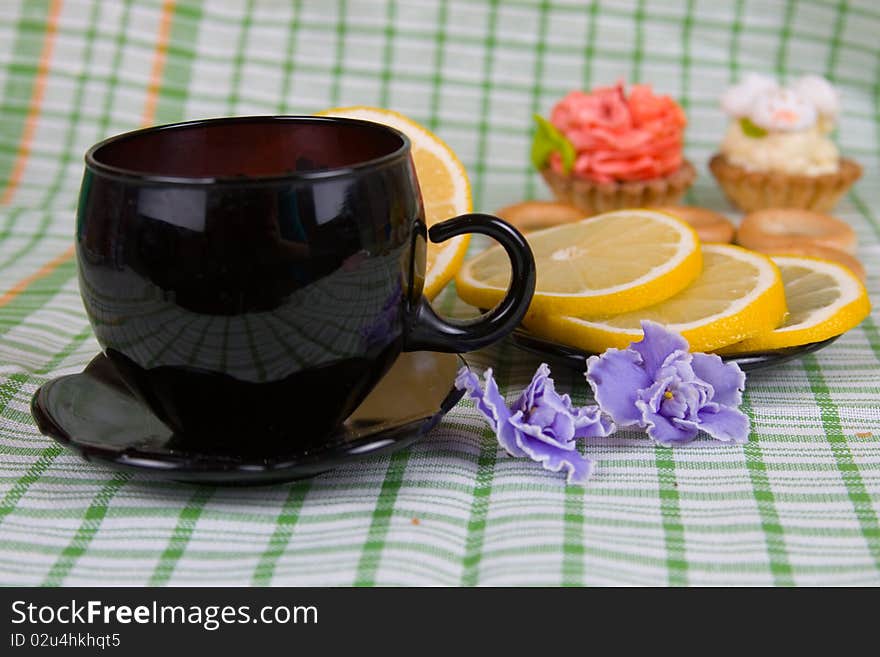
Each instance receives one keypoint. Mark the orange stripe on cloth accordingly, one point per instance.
(159, 56)
(42, 272)
(33, 114)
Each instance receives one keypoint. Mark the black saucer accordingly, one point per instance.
(575, 357)
(95, 414)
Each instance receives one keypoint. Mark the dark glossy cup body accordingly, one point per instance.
(253, 278)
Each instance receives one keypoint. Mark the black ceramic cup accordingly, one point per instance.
(253, 278)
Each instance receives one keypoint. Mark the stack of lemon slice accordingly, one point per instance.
(598, 278)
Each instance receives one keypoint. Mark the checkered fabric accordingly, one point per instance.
(798, 504)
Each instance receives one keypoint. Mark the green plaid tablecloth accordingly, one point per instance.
(797, 505)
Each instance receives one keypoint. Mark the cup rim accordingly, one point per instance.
(112, 171)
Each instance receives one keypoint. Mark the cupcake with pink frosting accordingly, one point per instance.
(606, 149)
(778, 150)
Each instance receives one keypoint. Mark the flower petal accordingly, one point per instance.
(673, 407)
(727, 379)
(616, 377)
(663, 431)
(656, 345)
(729, 425)
(578, 467)
(655, 394)
(491, 404)
(541, 415)
(532, 432)
(678, 363)
(535, 388)
(590, 422)
(562, 427)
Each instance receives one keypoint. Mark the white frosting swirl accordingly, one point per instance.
(807, 152)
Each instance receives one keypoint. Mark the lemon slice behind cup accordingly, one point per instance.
(738, 295)
(443, 181)
(824, 299)
(609, 263)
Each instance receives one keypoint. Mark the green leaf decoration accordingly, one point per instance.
(549, 140)
(750, 129)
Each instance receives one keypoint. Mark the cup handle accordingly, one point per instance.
(431, 332)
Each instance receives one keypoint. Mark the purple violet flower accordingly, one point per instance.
(658, 385)
(541, 424)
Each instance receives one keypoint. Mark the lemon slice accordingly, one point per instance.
(443, 181)
(824, 299)
(610, 263)
(738, 295)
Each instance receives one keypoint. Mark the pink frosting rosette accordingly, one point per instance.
(618, 137)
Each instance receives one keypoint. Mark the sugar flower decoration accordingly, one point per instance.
(763, 103)
(658, 385)
(541, 425)
(783, 110)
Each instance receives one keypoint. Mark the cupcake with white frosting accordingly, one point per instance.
(777, 151)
